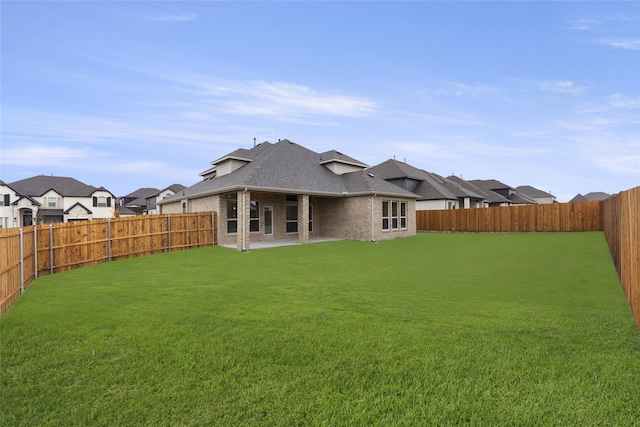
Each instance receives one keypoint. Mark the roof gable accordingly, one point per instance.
(79, 206)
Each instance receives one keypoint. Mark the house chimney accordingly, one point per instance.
(254, 143)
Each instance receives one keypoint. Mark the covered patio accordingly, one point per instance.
(283, 242)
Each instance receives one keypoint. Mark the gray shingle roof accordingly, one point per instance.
(143, 193)
(336, 156)
(595, 195)
(66, 187)
(288, 167)
(485, 187)
(431, 187)
(392, 169)
(492, 184)
(532, 191)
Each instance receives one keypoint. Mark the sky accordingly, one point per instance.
(127, 95)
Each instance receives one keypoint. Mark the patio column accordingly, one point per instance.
(303, 219)
(244, 199)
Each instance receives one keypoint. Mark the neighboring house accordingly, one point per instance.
(508, 195)
(286, 191)
(590, 197)
(51, 199)
(435, 191)
(144, 200)
(152, 201)
(539, 196)
(136, 201)
(7, 196)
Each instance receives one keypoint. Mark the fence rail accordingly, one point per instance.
(47, 249)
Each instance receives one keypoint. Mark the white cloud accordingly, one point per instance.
(583, 24)
(614, 153)
(283, 100)
(43, 155)
(622, 102)
(463, 89)
(628, 44)
(172, 17)
(561, 86)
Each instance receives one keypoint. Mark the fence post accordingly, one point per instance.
(21, 261)
(35, 250)
(169, 232)
(213, 226)
(109, 239)
(51, 248)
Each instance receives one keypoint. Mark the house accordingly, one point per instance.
(136, 201)
(284, 191)
(152, 200)
(7, 196)
(435, 191)
(539, 196)
(508, 195)
(589, 197)
(144, 200)
(51, 199)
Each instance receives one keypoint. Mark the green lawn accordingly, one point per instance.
(440, 329)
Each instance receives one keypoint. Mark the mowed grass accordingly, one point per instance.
(440, 329)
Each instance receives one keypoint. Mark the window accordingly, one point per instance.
(4, 200)
(385, 215)
(184, 207)
(100, 202)
(52, 202)
(4, 222)
(232, 216)
(310, 218)
(394, 215)
(292, 219)
(254, 216)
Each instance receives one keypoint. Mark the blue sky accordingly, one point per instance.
(146, 94)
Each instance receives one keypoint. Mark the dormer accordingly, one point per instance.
(339, 163)
(208, 174)
(229, 163)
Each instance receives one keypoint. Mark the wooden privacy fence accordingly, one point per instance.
(584, 216)
(46, 249)
(621, 221)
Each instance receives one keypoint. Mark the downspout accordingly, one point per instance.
(244, 220)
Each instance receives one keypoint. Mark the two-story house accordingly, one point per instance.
(284, 191)
(47, 199)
